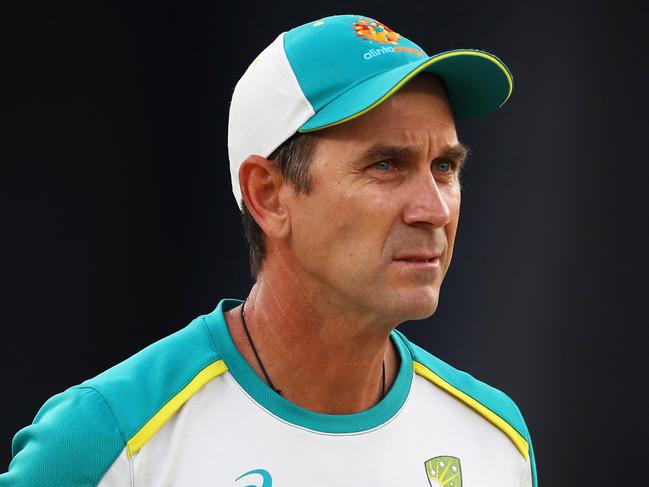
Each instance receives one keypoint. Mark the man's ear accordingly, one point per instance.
(260, 181)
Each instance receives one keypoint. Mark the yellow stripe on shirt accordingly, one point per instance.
(500, 423)
(158, 420)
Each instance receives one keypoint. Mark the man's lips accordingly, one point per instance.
(418, 257)
(418, 261)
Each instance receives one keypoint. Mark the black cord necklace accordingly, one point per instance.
(254, 349)
(263, 369)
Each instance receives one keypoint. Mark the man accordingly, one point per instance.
(345, 162)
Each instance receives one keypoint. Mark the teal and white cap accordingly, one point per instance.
(337, 68)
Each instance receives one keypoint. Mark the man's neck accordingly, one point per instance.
(321, 359)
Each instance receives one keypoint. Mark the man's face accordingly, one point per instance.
(376, 231)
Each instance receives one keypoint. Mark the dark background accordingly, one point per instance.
(118, 224)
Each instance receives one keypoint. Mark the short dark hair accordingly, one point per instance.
(293, 158)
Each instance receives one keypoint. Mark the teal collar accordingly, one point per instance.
(286, 410)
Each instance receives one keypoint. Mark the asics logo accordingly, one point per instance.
(266, 479)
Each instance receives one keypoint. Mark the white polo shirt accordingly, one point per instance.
(189, 411)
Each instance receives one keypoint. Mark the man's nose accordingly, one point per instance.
(427, 204)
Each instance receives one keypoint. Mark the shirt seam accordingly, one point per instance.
(206, 329)
(119, 428)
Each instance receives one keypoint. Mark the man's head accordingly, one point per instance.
(363, 203)
(374, 223)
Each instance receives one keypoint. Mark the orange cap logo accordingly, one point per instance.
(372, 30)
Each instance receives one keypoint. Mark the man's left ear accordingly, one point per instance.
(261, 186)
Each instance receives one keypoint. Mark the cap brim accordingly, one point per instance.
(477, 83)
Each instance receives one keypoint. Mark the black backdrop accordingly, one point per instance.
(117, 212)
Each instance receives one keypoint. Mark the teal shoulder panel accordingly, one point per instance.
(79, 433)
(73, 441)
(138, 387)
(490, 397)
(535, 481)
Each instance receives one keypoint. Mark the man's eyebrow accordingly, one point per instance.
(457, 152)
(380, 151)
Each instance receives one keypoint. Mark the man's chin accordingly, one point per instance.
(424, 312)
(419, 306)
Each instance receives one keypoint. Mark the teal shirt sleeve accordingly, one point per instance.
(72, 442)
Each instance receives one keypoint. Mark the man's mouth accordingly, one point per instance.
(418, 257)
(432, 259)
(418, 261)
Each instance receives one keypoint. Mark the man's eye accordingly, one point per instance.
(443, 166)
(382, 165)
